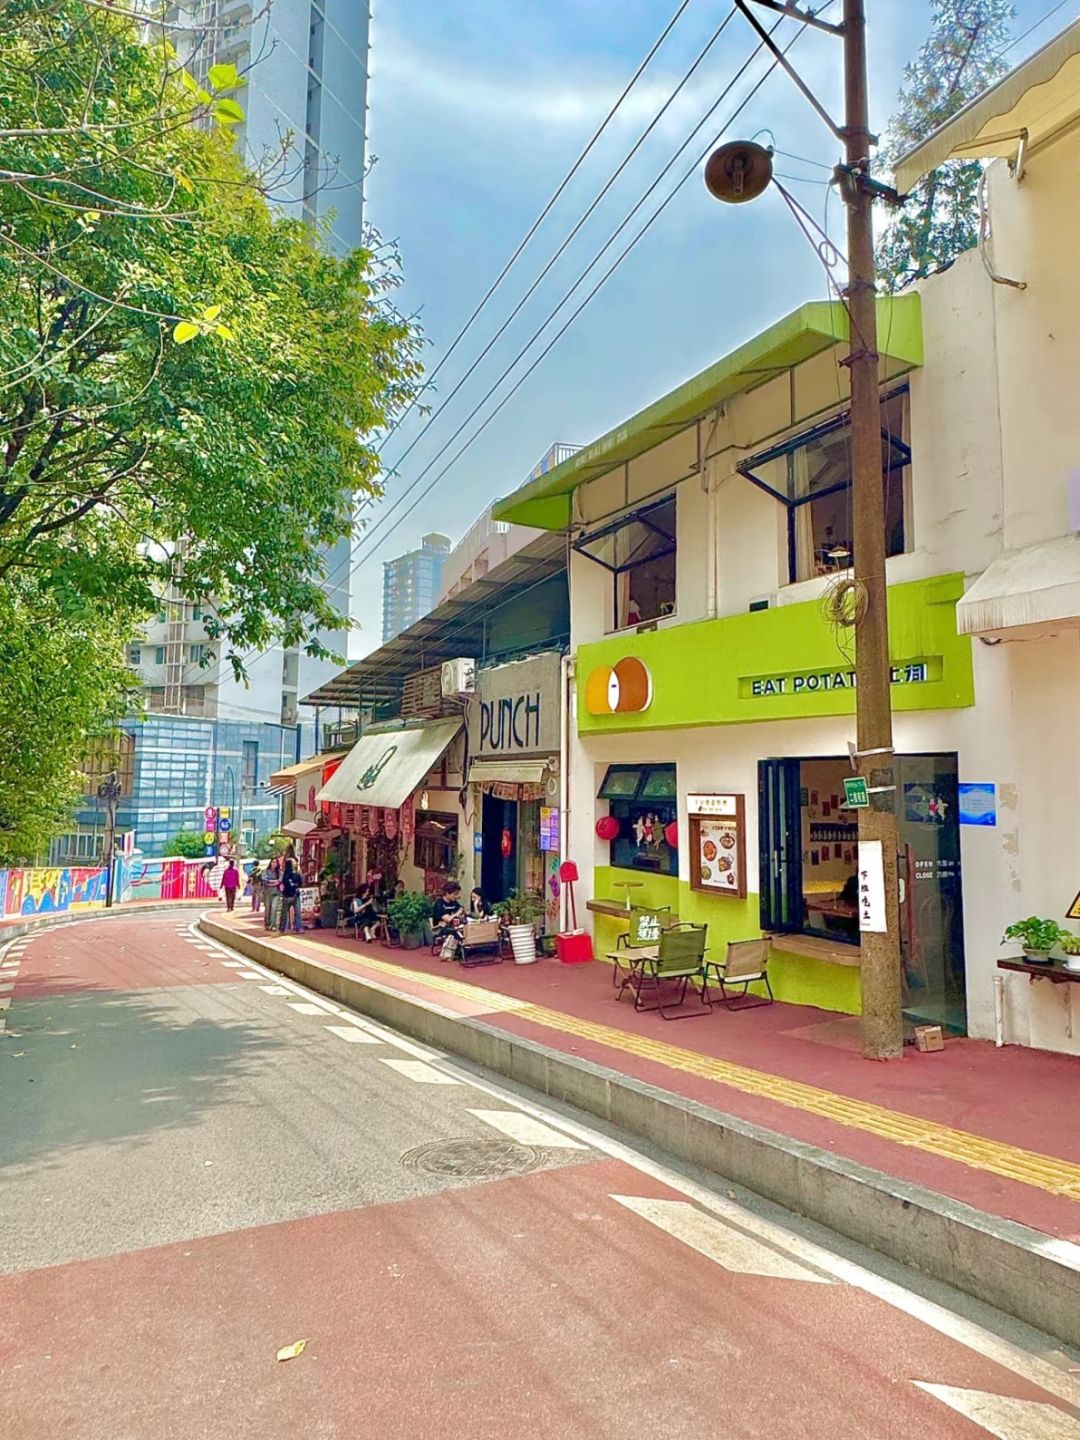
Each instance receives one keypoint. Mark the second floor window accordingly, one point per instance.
(639, 549)
(810, 474)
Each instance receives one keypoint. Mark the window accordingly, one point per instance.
(134, 655)
(196, 611)
(157, 698)
(642, 799)
(809, 842)
(810, 474)
(197, 654)
(250, 764)
(639, 550)
(159, 654)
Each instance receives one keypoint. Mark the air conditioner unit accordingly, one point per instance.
(762, 602)
(458, 678)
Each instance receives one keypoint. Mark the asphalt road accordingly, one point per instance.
(201, 1164)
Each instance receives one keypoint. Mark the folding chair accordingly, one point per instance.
(642, 937)
(746, 963)
(478, 939)
(678, 959)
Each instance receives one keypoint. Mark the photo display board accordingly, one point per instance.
(717, 844)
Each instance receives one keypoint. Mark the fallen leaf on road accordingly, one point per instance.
(290, 1352)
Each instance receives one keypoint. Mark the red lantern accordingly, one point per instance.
(671, 835)
(507, 844)
(607, 827)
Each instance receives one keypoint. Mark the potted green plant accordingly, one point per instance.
(1037, 937)
(1070, 944)
(329, 881)
(409, 913)
(519, 914)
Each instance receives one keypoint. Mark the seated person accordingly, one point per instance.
(848, 899)
(362, 912)
(478, 907)
(447, 919)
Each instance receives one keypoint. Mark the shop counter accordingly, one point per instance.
(617, 909)
(815, 947)
(1053, 970)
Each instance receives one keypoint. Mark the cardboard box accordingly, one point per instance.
(929, 1038)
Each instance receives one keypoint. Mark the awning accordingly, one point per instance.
(298, 829)
(510, 772)
(386, 767)
(1036, 585)
(283, 781)
(1034, 103)
(813, 328)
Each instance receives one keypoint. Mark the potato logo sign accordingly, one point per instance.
(623, 689)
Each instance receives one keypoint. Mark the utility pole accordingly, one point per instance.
(738, 172)
(110, 791)
(882, 1019)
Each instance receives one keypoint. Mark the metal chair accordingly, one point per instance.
(746, 964)
(678, 959)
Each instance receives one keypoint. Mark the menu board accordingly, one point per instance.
(309, 904)
(717, 844)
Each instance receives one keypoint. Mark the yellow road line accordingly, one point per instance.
(1044, 1172)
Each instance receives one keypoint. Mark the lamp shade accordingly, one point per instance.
(671, 835)
(607, 827)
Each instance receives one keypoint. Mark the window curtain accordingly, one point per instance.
(799, 476)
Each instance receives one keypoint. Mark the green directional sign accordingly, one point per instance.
(855, 793)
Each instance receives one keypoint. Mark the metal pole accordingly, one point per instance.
(881, 979)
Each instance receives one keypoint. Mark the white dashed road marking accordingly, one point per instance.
(728, 1246)
(234, 964)
(274, 989)
(525, 1130)
(417, 1070)
(248, 975)
(305, 1007)
(1004, 1416)
(351, 1034)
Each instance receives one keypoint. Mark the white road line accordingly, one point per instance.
(351, 1034)
(274, 989)
(4, 1003)
(7, 988)
(418, 1071)
(727, 1246)
(1004, 1416)
(1052, 1378)
(248, 975)
(526, 1130)
(9, 965)
(305, 1007)
(235, 964)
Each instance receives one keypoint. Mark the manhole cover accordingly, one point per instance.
(475, 1159)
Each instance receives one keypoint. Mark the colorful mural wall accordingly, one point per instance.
(46, 891)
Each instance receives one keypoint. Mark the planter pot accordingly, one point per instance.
(328, 913)
(1037, 957)
(522, 943)
(1072, 962)
(410, 941)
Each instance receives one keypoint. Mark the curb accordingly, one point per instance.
(34, 924)
(1020, 1271)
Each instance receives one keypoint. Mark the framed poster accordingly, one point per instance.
(717, 844)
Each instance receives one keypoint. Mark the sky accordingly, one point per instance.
(477, 111)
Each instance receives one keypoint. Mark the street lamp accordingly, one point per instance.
(736, 173)
(110, 791)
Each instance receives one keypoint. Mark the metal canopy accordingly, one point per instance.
(1027, 108)
(806, 332)
(456, 627)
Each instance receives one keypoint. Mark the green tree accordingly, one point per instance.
(958, 60)
(188, 377)
(186, 843)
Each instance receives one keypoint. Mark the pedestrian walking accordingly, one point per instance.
(292, 883)
(230, 883)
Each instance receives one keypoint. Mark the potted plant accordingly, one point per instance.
(329, 879)
(1037, 937)
(409, 913)
(519, 914)
(1070, 943)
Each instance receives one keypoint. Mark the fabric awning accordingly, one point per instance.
(385, 768)
(1035, 103)
(286, 779)
(510, 772)
(298, 829)
(1036, 585)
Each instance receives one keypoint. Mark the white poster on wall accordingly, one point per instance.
(871, 887)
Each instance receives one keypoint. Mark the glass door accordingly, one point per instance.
(780, 845)
(931, 908)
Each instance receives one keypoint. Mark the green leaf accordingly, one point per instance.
(184, 331)
(229, 112)
(188, 82)
(224, 77)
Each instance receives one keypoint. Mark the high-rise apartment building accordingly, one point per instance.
(411, 584)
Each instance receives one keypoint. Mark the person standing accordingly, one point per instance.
(271, 893)
(292, 882)
(230, 883)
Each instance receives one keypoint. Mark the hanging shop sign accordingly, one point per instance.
(872, 887)
(717, 844)
(816, 682)
(625, 688)
(549, 828)
(856, 794)
(516, 709)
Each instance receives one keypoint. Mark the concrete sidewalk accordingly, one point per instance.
(979, 1140)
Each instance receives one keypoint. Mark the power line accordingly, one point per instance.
(571, 237)
(542, 216)
(570, 320)
(1032, 28)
